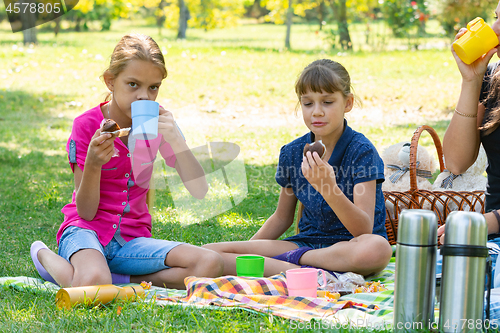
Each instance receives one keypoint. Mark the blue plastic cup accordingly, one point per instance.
(145, 115)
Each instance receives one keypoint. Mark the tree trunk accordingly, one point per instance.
(28, 20)
(321, 14)
(421, 29)
(340, 13)
(58, 25)
(184, 16)
(255, 11)
(160, 20)
(77, 23)
(289, 16)
(29, 36)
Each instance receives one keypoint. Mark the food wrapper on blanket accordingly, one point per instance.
(349, 283)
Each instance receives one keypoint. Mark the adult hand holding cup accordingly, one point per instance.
(476, 41)
(145, 115)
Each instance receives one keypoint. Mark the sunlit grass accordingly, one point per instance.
(234, 85)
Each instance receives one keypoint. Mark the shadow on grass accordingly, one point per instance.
(49, 42)
(35, 179)
(28, 120)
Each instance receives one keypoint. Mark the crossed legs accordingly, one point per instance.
(267, 248)
(365, 254)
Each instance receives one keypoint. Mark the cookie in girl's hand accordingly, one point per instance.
(317, 147)
(110, 126)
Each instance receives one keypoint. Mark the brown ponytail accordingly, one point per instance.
(492, 122)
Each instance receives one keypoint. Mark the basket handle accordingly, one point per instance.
(413, 153)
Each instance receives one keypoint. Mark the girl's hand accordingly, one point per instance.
(440, 234)
(318, 173)
(167, 127)
(476, 70)
(101, 149)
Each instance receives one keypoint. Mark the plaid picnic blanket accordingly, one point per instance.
(263, 295)
(269, 295)
(232, 293)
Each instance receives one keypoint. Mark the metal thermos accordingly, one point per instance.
(415, 280)
(463, 274)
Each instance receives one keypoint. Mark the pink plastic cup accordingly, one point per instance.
(304, 281)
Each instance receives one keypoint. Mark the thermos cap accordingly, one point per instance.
(467, 228)
(417, 227)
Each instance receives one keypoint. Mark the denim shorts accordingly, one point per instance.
(139, 256)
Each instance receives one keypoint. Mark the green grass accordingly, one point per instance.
(233, 85)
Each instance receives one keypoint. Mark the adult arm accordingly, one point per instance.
(491, 222)
(462, 138)
(87, 182)
(281, 219)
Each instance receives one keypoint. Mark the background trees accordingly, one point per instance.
(454, 14)
(404, 18)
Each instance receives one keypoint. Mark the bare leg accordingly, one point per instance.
(271, 266)
(267, 248)
(185, 260)
(58, 267)
(365, 254)
(79, 272)
(91, 268)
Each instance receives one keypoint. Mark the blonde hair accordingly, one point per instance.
(135, 47)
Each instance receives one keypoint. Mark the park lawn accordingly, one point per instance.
(233, 85)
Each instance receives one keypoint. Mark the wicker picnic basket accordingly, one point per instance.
(441, 202)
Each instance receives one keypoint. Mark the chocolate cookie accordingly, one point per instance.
(317, 147)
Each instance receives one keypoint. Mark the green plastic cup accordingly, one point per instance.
(250, 266)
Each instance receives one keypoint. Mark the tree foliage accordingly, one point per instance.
(278, 9)
(210, 14)
(104, 11)
(343, 12)
(455, 14)
(206, 14)
(401, 16)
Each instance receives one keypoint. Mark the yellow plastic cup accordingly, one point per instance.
(478, 40)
